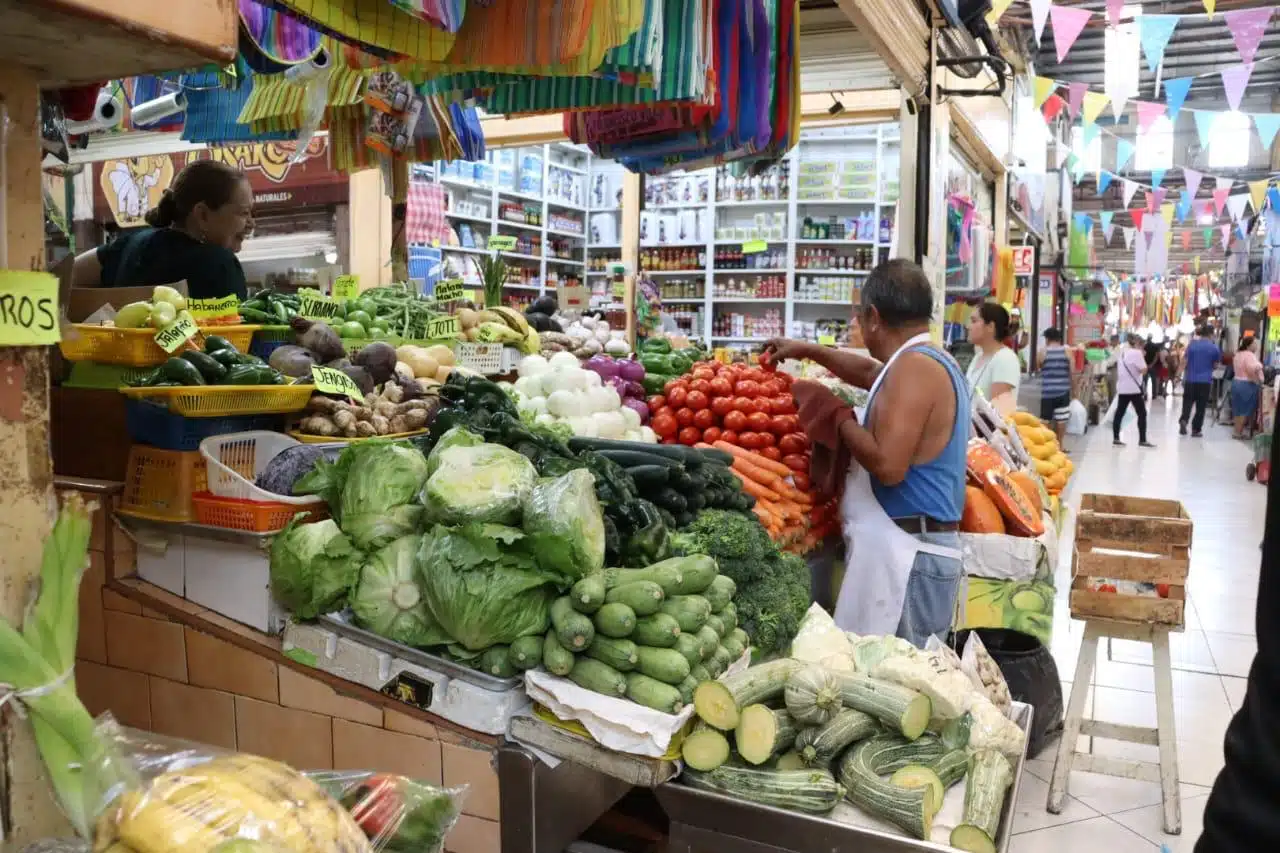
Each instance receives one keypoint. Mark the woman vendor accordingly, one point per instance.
(199, 225)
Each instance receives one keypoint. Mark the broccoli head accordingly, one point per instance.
(770, 609)
(739, 544)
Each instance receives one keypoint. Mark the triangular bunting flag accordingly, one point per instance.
(1175, 92)
(1184, 206)
(1104, 181)
(1225, 228)
(1257, 191)
(1247, 27)
(1039, 14)
(1119, 95)
(1124, 150)
(1186, 239)
(1243, 227)
(1168, 239)
(1220, 200)
(1130, 187)
(1075, 97)
(1204, 208)
(1137, 213)
(1084, 222)
(1148, 112)
(1267, 125)
(1042, 87)
(1105, 216)
(1068, 21)
(1273, 198)
(1128, 236)
(1166, 211)
(1204, 125)
(1154, 32)
(998, 8)
(1235, 205)
(1151, 201)
(1196, 260)
(1208, 7)
(1089, 133)
(1077, 170)
(1207, 234)
(1052, 107)
(1150, 237)
(1114, 8)
(1235, 80)
(1192, 177)
(1093, 104)
(1157, 177)
(1107, 232)
(1224, 183)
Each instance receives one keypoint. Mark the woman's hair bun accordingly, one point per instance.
(165, 213)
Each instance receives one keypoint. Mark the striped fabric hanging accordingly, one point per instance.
(444, 14)
(271, 41)
(374, 26)
(548, 37)
(212, 109)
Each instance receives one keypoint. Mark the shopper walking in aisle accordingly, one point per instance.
(1150, 352)
(1246, 388)
(1055, 382)
(1114, 351)
(1201, 357)
(994, 372)
(904, 491)
(1129, 377)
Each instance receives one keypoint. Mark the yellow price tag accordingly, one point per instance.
(346, 287)
(331, 381)
(502, 242)
(827, 340)
(317, 306)
(752, 247)
(443, 327)
(176, 333)
(620, 289)
(449, 290)
(207, 309)
(28, 309)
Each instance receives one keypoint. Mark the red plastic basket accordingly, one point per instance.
(251, 516)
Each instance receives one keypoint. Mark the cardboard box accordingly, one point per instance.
(83, 301)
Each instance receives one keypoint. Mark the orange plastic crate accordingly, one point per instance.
(251, 516)
(159, 483)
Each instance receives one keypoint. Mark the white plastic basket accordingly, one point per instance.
(237, 459)
(485, 359)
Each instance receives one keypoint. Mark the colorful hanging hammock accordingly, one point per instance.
(374, 26)
(271, 42)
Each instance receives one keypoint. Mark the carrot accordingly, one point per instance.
(766, 517)
(760, 475)
(754, 458)
(758, 491)
(791, 493)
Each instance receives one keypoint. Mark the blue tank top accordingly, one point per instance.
(1055, 373)
(934, 489)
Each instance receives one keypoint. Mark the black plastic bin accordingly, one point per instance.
(1032, 676)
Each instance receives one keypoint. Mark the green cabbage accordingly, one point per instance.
(378, 498)
(565, 525)
(482, 584)
(454, 437)
(312, 567)
(486, 483)
(388, 600)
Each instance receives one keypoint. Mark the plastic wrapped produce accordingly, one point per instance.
(565, 525)
(484, 483)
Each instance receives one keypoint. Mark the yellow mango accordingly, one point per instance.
(1041, 451)
(1059, 459)
(1025, 419)
(1045, 469)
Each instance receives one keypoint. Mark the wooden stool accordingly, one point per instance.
(1162, 736)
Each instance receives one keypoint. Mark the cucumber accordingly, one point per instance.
(526, 652)
(676, 453)
(716, 456)
(574, 630)
(900, 708)
(686, 689)
(556, 658)
(666, 665)
(989, 777)
(618, 653)
(691, 647)
(910, 809)
(599, 677)
(819, 746)
(714, 623)
(653, 693)
(644, 597)
(704, 748)
(720, 703)
(636, 458)
(664, 574)
(812, 791)
(496, 661)
(649, 477)
(708, 640)
(588, 593)
(729, 616)
(720, 592)
(812, 696)
(763, 733)
(689, 611)
(615, 620)
(658, 630)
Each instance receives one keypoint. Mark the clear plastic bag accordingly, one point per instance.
(565, 525)
(821, 641)
(484, 484)
(977, 663)
(163, 794)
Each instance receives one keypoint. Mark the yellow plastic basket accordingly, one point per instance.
(337, 439)
(159, 483)
(137, 347)
(213, 401)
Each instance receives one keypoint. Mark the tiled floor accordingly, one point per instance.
(1211, 658)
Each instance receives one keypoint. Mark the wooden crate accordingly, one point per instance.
(1145, 540)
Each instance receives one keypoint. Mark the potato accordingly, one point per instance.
(423, 365)
(442, 375)
(441, 353)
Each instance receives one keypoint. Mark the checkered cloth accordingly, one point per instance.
(424, 219)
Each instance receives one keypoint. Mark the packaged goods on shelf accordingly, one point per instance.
(817, 330)
(733, 258)
(826, 288)
(762, 287)
(679, 288)
(522, 213)
(691, 258)
(677, 190)
(773, 184)
(564, 186)
(841, 258)
(600, 262)
(732, 324)
(564, 222)
(760, 226)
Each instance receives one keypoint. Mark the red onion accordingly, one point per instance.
(640, 407)
(630, 369)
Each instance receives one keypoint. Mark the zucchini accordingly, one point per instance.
(919, 776)
(812, 696)
(526, 652)
(762, 733)
(644, 597)
(599, 677)
(740, 636)
(588, 593)
(789, 761)
(637, 458)
(714, 623)
(556, 658)
(649, 477)
(812, 791)
(955, 733)
(910, 809)
(666, 665)
(704, 748)
(732, 646)
(720, 703)
(819, 746)
(686, 689)
(573, 629)
(722, 658)
(720, 592)
(689, 611)
(653, 693)
(900, 708)
(615, 620)
(697, 571)
(496, 661)
(691, 647)
(658, 630)
(708, 640)
(676, 453)
(989, 777)
(666, 574)
(618, 653)
(951, 767)
(728, 616)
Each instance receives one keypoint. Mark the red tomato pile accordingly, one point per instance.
(745, 406)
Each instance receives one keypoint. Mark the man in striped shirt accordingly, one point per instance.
(1055, 382)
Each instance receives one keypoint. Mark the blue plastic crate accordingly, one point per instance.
(153, 424)
(263, 349)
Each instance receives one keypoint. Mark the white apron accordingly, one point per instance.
(878, 553)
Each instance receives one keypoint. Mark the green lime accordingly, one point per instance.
(358, 316)
(352, 329)
(364, 305)
(378, 333)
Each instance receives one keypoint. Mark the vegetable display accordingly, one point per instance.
(592, 399)
(166, 306)
(218, 363)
